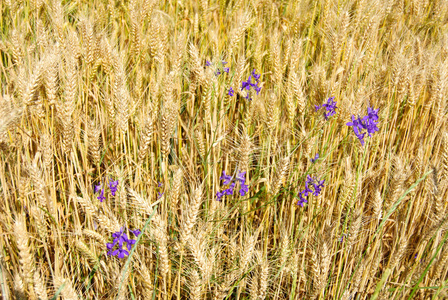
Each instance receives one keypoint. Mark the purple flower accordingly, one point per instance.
(208, 63)
(231, 92)
(372, 113)
(257, 89)
(97, 188)
(241, 177)
(229, 191)
(101, 196)
(302, 201)
(247, 84)
(226, 70)
(218, 72)
(113, 186)
(219, 195)
(122, 253)
(317, 185)
(313, 160)
(366, 123)
(255, 75)
(120, 238)
(159, 195)
(224, 62)
(159, 184)
(244, 189)
(355, 124)
(330, 107)
(226, 178)
(136, 232)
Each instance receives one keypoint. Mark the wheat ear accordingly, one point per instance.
(68, 292)
(26, 258)
(39, 286)
(189, 219)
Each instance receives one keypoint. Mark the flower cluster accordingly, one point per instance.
(241, 178)
(120, 237)
(330, 107)
(248, 84)
(317, 185)
(366, 123)
(218, 70)
(100, 188)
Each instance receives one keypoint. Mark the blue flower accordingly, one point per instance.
(247, 84)
(113, 186)
(241, 177)
(219, 195)
(317, 185)
(244, 189)
(101, 196)
(366, 123)
(255, 75)
(122, 253)
(226, 178)
(97, 188)
(231, 92)
(136, 232)
(121, 238)
(330, 107)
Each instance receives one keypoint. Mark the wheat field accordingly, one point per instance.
(224, 149)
